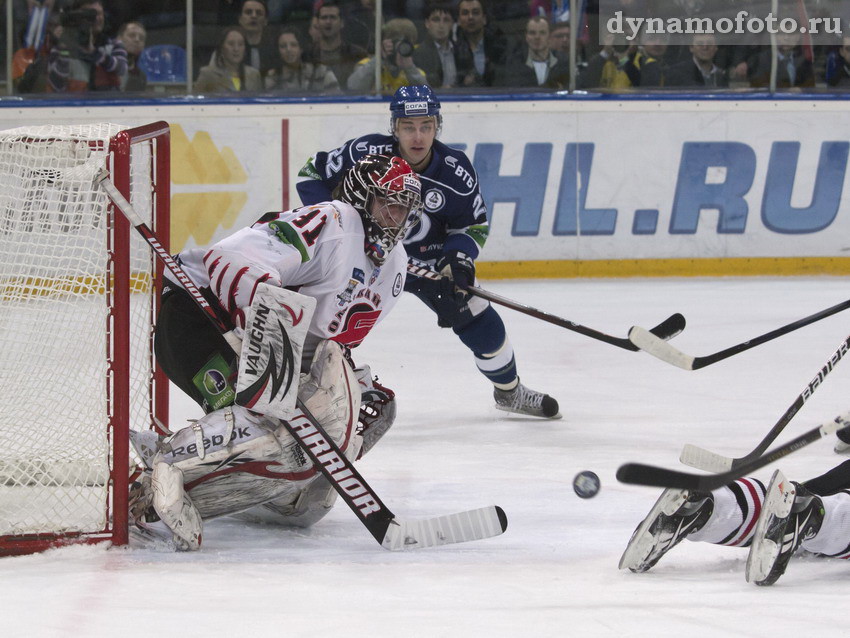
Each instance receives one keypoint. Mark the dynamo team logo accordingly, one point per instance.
(214, 382)
(434, 200)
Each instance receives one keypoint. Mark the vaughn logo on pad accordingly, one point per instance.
(270, 362)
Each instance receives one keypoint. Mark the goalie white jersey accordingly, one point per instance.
(316, 250)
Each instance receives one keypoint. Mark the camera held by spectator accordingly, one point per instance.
(398, 38)
(402, 47)
(78, 28)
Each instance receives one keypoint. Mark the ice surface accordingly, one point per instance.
(554, 572)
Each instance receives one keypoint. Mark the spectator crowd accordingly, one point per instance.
(326, 47)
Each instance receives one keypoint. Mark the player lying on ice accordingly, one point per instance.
(774, 522)
(345, 259)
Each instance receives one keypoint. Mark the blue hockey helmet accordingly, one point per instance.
(417, 100)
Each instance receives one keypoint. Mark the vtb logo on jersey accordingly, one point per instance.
(374, 149)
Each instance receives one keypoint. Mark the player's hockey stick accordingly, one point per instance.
(639, 474)
(650, 343)
(713, 462)
(667, 329)
(390, 531)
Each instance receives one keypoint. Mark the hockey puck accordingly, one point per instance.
(586, 484)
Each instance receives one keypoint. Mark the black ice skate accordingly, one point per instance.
(790, 514)
(522, 400)
(675, 514)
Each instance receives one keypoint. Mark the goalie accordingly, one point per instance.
(345, 259)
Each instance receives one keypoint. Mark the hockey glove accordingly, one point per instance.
(460, 268)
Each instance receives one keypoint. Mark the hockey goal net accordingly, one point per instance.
(78, 296)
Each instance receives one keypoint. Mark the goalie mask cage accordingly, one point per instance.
(78, 296)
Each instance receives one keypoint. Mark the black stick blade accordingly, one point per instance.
(640, 474)
(503, 518)
(670, 327)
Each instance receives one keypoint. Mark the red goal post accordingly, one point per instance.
(79, 292)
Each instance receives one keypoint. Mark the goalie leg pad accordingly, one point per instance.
(175, 508)
(219, 435)
(310, 506)
(332, 395)
(233, 459)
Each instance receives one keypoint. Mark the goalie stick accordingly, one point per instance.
(640, 474)
(649, 342)
(390, 531)
(667, 329)
(711, 461)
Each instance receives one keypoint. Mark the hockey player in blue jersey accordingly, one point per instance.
(449, 237)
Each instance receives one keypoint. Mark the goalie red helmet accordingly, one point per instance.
(387, 194)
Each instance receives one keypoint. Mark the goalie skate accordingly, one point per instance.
(174, 507)
(675, 514)
(146, 444)
(789, 515)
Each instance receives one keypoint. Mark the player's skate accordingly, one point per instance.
(842, 446)
(789, 515)
(675, 514)
(523, 400)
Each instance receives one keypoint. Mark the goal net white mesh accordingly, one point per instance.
(57, 323)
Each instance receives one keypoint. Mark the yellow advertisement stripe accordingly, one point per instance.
(21, 288)
(738, 266)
